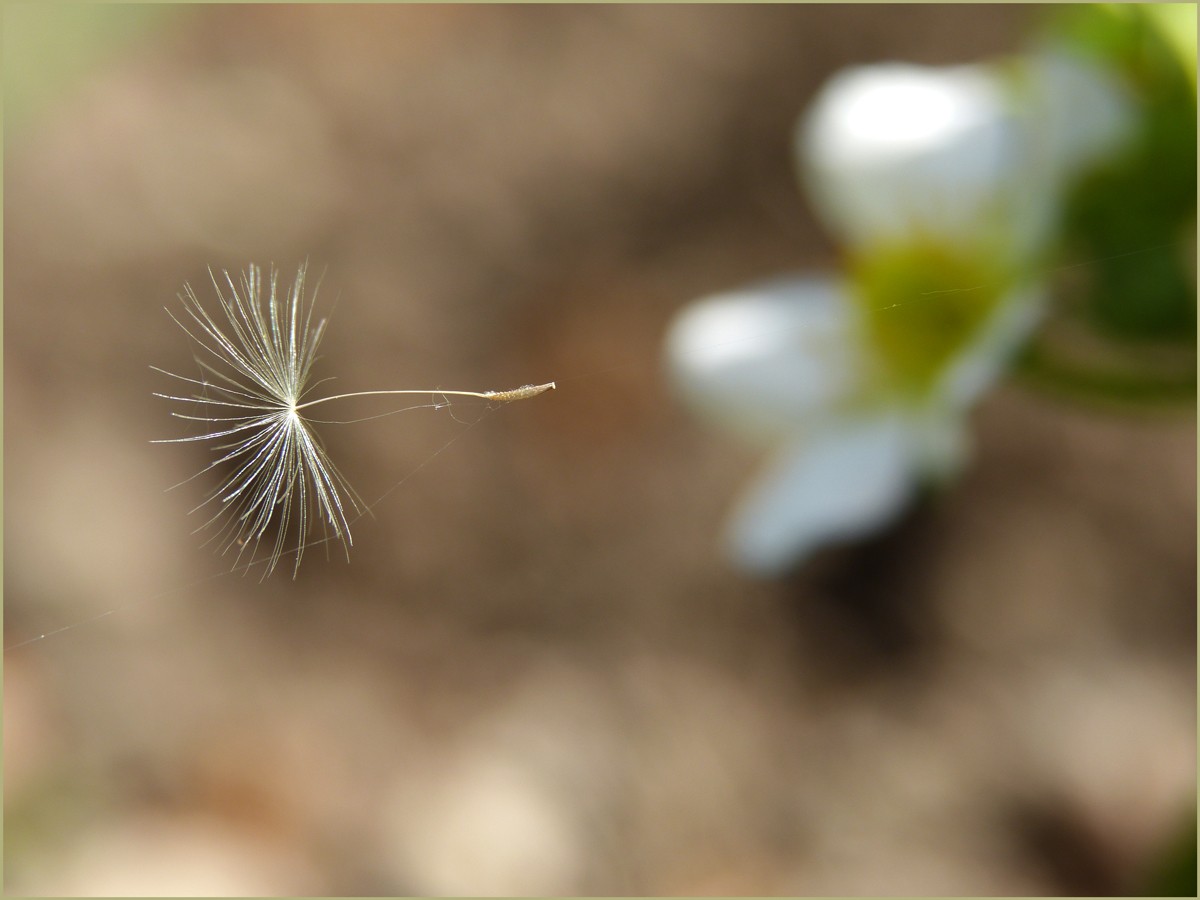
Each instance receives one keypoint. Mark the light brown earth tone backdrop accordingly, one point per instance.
(536, 674)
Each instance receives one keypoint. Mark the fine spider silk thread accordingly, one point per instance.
(244, 568)
(259, 350)
(498, 397)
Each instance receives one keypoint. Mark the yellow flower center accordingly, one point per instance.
(923, 302)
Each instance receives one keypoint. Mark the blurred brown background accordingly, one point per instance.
(536, 674)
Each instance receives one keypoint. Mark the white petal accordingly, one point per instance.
(848, 480)
(941, 444)
(769, 357)
(887, 149)
(1082, 112)
(983, 362)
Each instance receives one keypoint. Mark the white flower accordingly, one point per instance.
(972, 154)
(944, 183)
(788, 362)
(892, 149)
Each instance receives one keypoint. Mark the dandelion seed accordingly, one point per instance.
(255, 373)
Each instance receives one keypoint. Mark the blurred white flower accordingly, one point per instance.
(972, 154)
(891, 149)
(944, 184)
(851, 452)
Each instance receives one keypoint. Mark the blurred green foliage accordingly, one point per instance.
(1126, 257)
(50, 47)
(1174, 873)
(1144, 200)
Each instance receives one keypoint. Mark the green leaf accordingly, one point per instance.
(1100, 372)
(1130, 224)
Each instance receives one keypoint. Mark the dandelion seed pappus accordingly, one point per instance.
(280, 487)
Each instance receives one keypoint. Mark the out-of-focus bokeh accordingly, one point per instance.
(536, 675)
